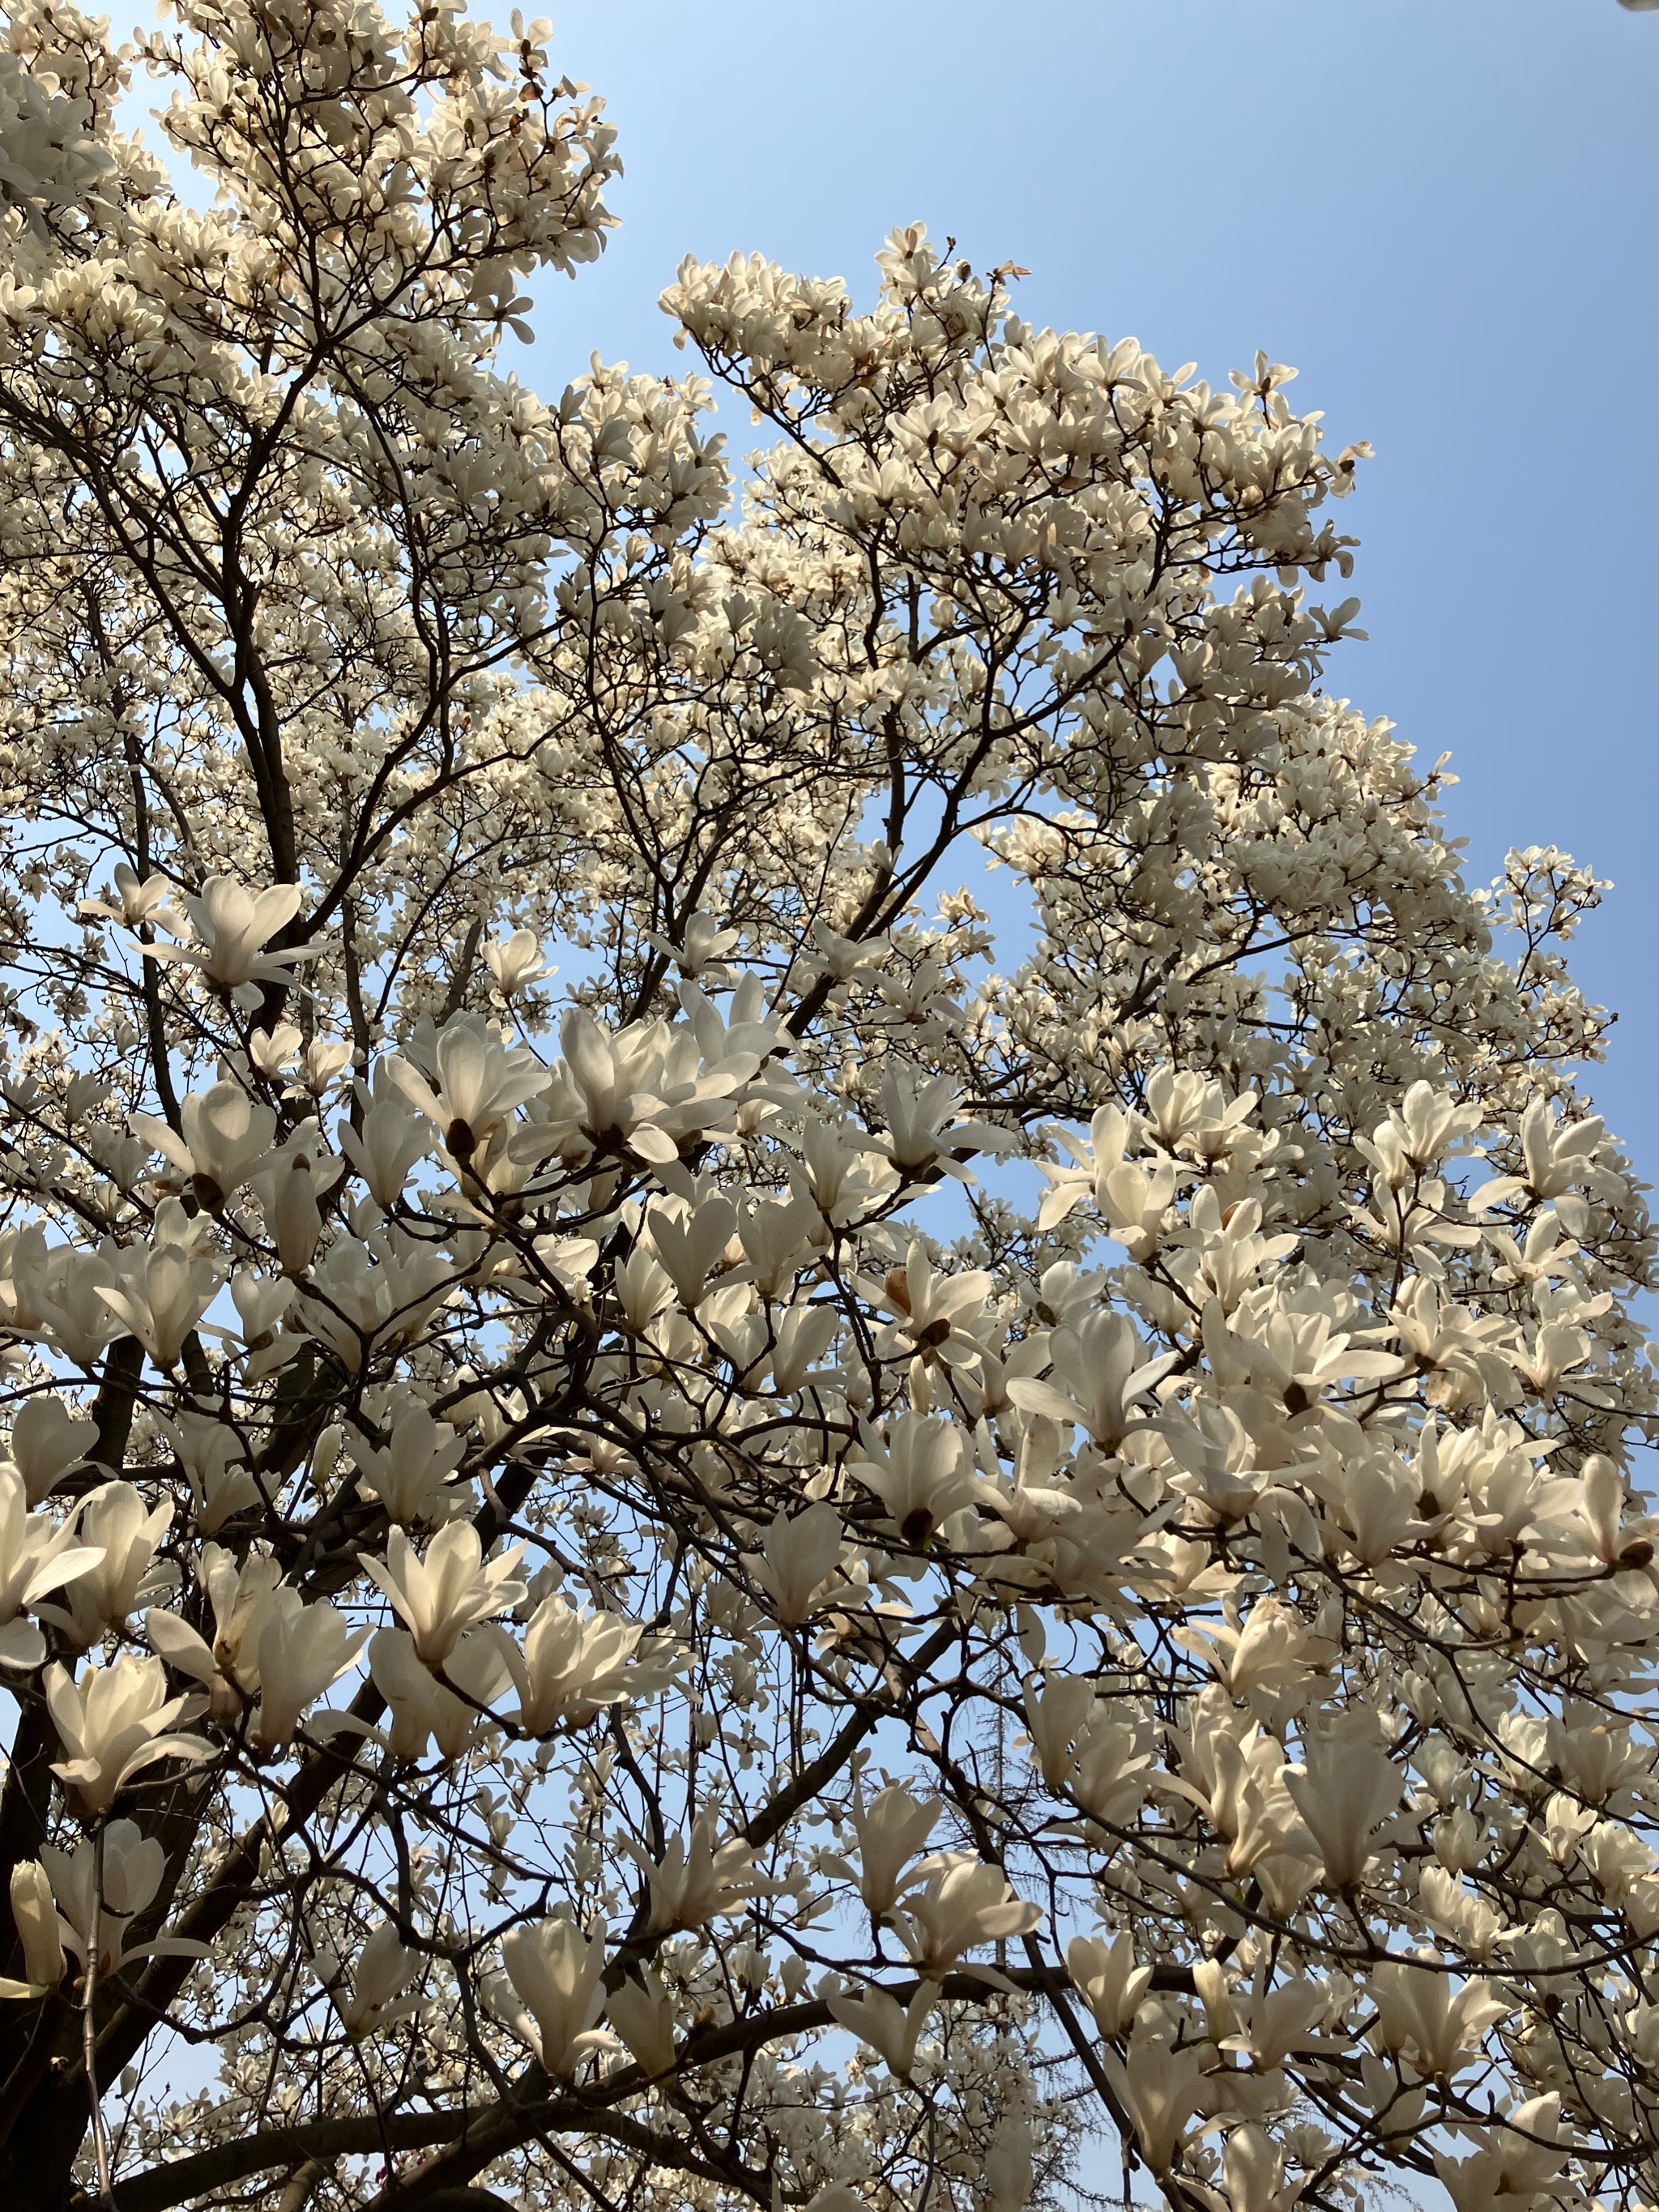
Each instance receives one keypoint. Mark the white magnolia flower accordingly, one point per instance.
(114, 1722)
(480, 1084)
(138, 901)
(643, 2014)
(1132, 1197)
(843, 1173)
(702, 948)
(573, 1665)
(57, 1295)
(224, 1136)
(121, 1872)
(233, 926)
(516, 961)
(388, 1142)
(408, 1475)
(1252, 2170)
(920, 1111)
(1348, 1787)
(1279, 2020)
(797, 1563)
(690, 1245)
(244, 1596)
(1101, 1376)
(558, 1974)
(439, 1598)
(115, 1522)
(38, 1555)
(384, 1971)
(425, 1707)
(1105, 1976)
(921, 1474)
(938, 1316)
(891, 2029)
(213, 1457)
(891, 1829)
(47, 1443)
(34, 1916)
(644, 1087)
(963, 1903)
(699, 1880)
(302, 1651)
(1435, 2020)
(162, 1289)
(1161, 2091)
(1523, 2162)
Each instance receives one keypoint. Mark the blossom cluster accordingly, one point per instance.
(662, 1539)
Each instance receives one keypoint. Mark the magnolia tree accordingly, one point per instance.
(782, 1569)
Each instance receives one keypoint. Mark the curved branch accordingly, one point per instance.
(471, 2140)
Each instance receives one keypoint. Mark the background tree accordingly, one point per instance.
(786, 1570)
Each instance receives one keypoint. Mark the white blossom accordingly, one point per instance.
(34, 1916)
(114, 1722)
(440, 1596)
(233, 927)
(968, 1538)
(47, 1441)
(38, 1555)
(558, 1974)
(571, 1666)
(891, 2029)
(962, 1904)
(642, 2013)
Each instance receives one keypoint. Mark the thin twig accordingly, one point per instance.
(89, 2020)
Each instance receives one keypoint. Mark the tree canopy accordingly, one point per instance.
(704, 1508)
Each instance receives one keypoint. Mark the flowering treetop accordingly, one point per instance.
(789, 1568)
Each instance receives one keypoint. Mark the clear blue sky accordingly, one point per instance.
(1444, 212)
